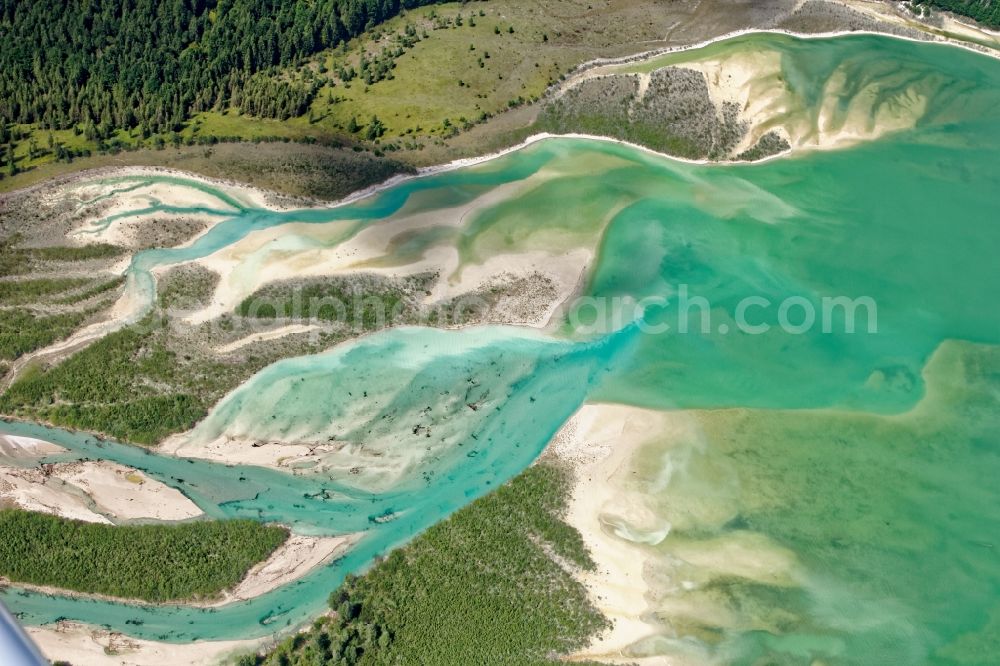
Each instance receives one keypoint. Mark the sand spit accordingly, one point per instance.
(598, 442)
(293, 559)
(82, 644)
(94, 491)
(244, 452)
(275, 334)
(15, 447)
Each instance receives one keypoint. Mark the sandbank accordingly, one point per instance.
(82, 644)
(95, 491)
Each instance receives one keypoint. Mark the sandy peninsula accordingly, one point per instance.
(629, 464)
(82, 644)
(95, 491)
(295, 558)
(598, 442)
(15, 447)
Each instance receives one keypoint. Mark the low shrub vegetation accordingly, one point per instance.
(491, 584)
(149, 562)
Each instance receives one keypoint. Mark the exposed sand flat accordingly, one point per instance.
(238, 451)
(754, 81)
(272, 422)
(17, 447)
(292, 560)
(125, 493)
(275, 334)
(31, 490)
(94, 491)
(598, 441)
(124, 199)
(564, 270)
(160, 228)
(647, 580)
(299, 251)
(82, 644)
(376, 465)
(93, 186)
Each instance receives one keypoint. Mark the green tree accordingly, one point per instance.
(11, 164)
(375, 129)
(119, 64)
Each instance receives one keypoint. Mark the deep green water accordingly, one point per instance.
(909, 221)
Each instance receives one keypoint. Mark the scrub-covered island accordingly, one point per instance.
(626, 332)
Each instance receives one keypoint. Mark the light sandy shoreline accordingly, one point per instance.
(94, 491)
(81, 644)
(15, 447)
(871, 8)
(295, 558)
(635, 471)
(598, 442)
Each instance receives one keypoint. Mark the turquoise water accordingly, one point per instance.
(535, 402)
(908, 221)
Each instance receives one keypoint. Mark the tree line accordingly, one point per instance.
(986, 12)
(126, 64)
